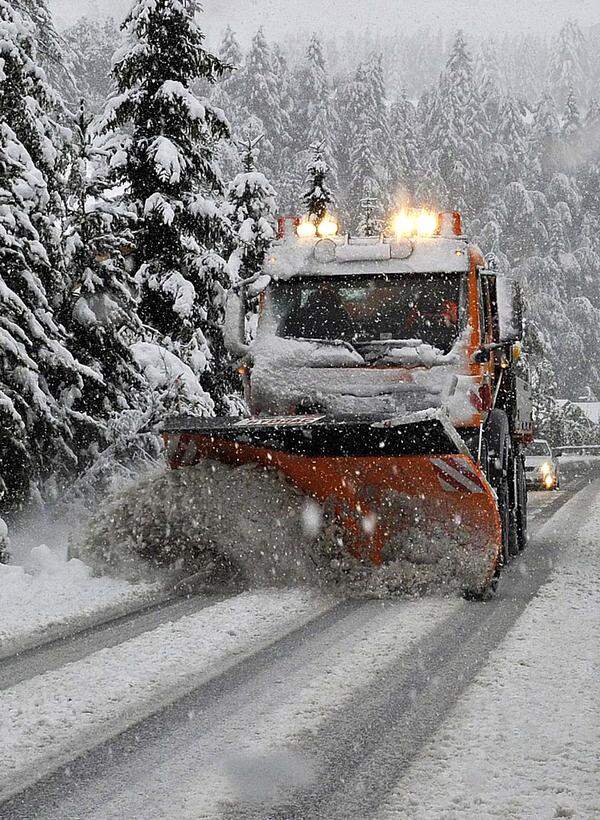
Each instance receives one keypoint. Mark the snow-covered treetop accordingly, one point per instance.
(26, 97)
(318, 197)
(230, 51)
(252, 207)
(161, 56)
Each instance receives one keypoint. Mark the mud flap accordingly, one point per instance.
(402, 490)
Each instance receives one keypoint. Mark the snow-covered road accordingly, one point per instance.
(289, 704)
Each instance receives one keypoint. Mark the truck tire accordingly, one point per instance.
(513, 502)
(521, 503)
(502, 493)
(501, 472)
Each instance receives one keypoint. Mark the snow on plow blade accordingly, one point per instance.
(399, 489)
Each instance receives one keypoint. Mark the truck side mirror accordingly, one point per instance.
(510, 310)
(234, 330)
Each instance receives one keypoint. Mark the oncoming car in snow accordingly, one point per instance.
(541, 468)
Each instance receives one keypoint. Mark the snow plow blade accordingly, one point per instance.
(389, 483)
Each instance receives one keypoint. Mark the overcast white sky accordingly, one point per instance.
(282, 17)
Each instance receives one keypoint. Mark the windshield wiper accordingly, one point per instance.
(388, 343)
(377, 349)
(328, 343)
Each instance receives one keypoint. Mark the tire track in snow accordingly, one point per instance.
(410, 705)
(525, 740)
(73, 646)
(50, 719)
(211, 749)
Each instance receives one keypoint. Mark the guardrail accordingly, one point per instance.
(580, 450)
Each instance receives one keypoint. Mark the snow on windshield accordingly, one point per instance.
(401, 310)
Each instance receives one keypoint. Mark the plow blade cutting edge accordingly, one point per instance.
(400, 491)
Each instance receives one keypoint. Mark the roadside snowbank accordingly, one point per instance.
(524, 740)
(50, 593)
(52, 717)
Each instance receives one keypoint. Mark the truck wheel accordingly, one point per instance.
(503, 494)
(513, 500)
(521, 503)
(501, 471)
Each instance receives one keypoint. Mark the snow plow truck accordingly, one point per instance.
(382, 381)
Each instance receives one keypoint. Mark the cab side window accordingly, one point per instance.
(485, 310)
(482, 312)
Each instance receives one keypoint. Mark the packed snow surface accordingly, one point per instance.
(53, 716)
(255, 744)
(524, 740)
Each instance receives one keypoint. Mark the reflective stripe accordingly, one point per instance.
(456, 477)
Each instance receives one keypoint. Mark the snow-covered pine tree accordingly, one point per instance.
(285, 94)
(571, 124)
(53, 51)
(228, 92)
(252, 205)
(592, 116)
(261, 89)
(365, 186)
(513, 136)
(314, 107)
(318, 197)
(91, 44)
(569, 68)
(545, 131)
(230, 53)
(35, 436)
(29, 104)
(165, 139)
(49, 378)
(405, 157)
(491, 82)
(456, 129)
(369, 217)
(280, 159)
(378, 109)
(588, 176)
(361, 169)
(101, 304)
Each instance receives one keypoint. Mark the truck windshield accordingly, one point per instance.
(371, 308)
